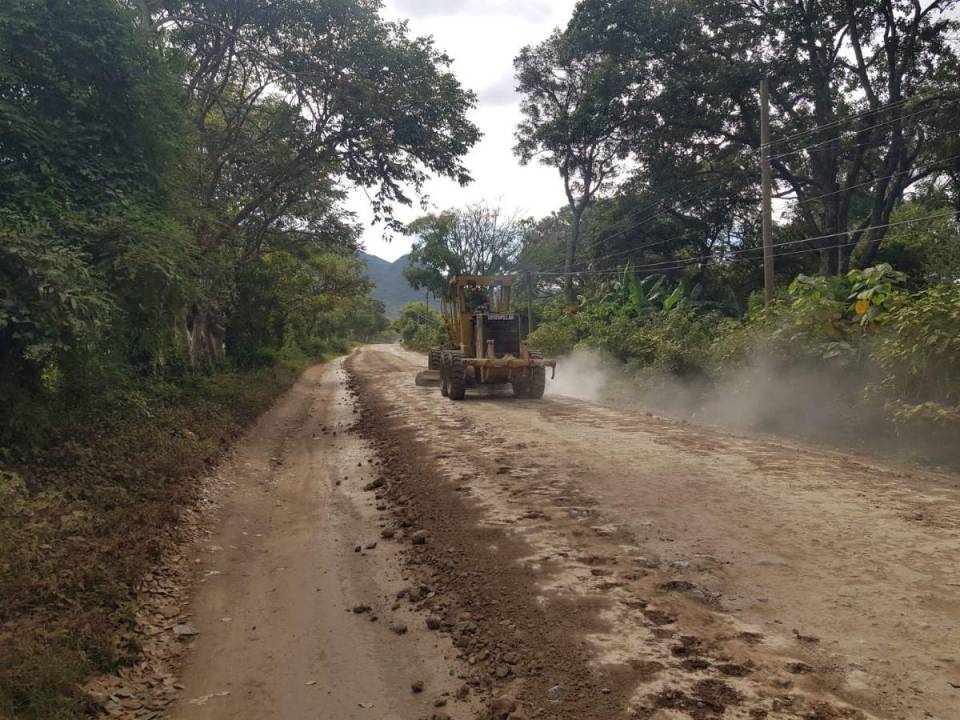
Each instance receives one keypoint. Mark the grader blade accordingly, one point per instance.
(428, 378)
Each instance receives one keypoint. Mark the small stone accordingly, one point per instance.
(388, 533)
(378, 483)
(399, 628)
(182, 630)
(360, 609)
(501, 708)
(417, 686)
(419, 537)
(440, 716)
(440, 702)
(502, 671)
(434, 623)
(357, 548)
(371, 545)
(555, 693)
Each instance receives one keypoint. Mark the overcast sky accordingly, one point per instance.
(482, 37)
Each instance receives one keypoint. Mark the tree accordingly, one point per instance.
(862, 90)
(292, 98)
(93, 248)
(478, 240)
(575, 109)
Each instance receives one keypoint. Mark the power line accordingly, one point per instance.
(857, 116)
(654, 207)
(686, 261)
(654, 243)
(838, 137)
(797, 201)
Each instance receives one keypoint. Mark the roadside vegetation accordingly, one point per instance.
(419, 327)
(649, 111)
(173, 251)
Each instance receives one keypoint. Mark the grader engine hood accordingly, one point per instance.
(504, 330)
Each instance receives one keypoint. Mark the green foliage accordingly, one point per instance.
(863, 323)
(687, 74)
(305, 304)
(874, 293)
(642, 321)
(171, 198)
(81, 520)
(919, 355)
(927, 252)
(89, 130)
(420, 328)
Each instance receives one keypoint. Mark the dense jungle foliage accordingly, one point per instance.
(170, 184)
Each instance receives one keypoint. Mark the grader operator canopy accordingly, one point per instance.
(484, 344)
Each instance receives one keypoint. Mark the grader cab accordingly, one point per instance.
(484, 345)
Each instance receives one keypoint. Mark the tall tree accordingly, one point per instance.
(291, 98)
(576, 108)
(861, 89)
(91, 238)
(477, 240)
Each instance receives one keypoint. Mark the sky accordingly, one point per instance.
(482, 37)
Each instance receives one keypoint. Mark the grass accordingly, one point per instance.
(84, 517)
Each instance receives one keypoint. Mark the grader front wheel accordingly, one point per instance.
(445, 374)
(456, 375)
(435, 359)
(538, 383)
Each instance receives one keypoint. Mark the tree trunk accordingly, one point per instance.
(571, 256)
(205, 333)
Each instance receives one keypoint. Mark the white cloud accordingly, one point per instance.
(530, 10)
(500, 92)
(482, 37)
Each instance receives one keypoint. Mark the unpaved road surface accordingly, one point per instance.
(297, 614)
(564, 560)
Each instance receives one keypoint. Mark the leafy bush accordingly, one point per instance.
(420, 327)
(919, 354)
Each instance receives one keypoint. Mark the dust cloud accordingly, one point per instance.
(823, 403)
(583, 375)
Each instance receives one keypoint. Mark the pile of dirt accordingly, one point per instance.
(527, 653)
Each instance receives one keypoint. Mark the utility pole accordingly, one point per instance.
(529, 302)
(426, 299)
(766, 183)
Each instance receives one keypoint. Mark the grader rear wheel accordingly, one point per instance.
(456, 375)
(538, 379)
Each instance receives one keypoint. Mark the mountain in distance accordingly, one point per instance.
(391, 287)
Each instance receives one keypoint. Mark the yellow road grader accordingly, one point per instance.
(484, 345)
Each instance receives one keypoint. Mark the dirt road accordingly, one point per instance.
(296, 588)
(565, 560)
